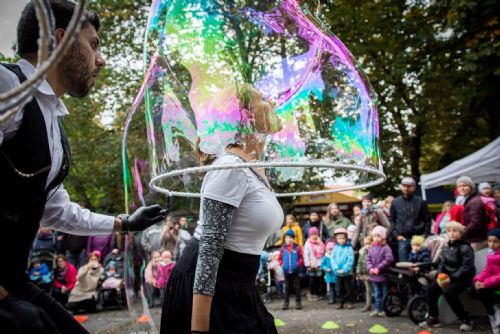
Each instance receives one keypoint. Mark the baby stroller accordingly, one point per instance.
(111, 289)
(407, 288)
(46, 258)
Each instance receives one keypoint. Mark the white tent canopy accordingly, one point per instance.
(481, 166)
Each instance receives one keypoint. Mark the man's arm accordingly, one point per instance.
(62, 215)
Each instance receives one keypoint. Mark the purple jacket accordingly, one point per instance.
(102, 243)
(379, 256)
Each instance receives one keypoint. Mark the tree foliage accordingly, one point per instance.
(434, 64)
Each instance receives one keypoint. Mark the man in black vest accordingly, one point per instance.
(34, 161)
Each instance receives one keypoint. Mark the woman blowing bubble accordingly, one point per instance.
(211, 289)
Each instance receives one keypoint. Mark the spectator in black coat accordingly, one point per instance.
(409, 216)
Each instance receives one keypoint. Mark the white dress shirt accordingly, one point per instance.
(60, 213)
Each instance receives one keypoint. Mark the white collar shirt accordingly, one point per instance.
(60, 213)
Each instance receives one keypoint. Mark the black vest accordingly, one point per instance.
(22, 199)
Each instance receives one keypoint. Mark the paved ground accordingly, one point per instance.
(308, 320)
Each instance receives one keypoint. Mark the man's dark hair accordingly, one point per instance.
(28, 30)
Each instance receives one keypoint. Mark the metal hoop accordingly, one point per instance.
(22, 93)
(318, 164)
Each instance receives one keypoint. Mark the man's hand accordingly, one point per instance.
(400, 237)
(142, 218)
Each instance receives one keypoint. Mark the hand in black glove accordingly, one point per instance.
(25, 317)
(143, 218)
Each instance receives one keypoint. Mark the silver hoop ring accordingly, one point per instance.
(318, 164)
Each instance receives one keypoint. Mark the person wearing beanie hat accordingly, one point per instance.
(342, 262)
(291, 225)
(409, 216)
(419, 253)
(379, 231)
(379, 258)
(291, 259)
(314, 249)
(455, 273)
(488, 281)
(484, 189)
(475, 219)
(465, 180)
(40, 273)
(330, 278)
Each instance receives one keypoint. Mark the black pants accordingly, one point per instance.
(344, 289)
(331, 292)
(451, 294)
(62, 319)
(62, 298)
(292, 280)
(87, 305)
(315, 285)
(489, 298)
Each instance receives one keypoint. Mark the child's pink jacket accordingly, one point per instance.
(490, 276)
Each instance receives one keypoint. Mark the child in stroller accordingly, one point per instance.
(40, 268)
(407, 280)
(111, 290)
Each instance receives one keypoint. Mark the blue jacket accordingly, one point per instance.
(424, 256)
(290, 259)
(326, 263)
(343, 259)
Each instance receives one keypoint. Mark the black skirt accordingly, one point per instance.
(236, 306)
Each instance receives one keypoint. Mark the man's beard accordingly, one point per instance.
(76, 73)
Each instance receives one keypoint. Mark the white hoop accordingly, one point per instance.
(319, 164)
(22, 93)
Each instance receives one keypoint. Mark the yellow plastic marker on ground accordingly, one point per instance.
(279, 323)
(378, 329)
(330, 325)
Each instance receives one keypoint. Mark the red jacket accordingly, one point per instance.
(289, 248)
(69, 280)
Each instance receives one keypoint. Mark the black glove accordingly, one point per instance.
(143, 218)
(25, 317)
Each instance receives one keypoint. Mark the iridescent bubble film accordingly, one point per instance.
(198, 56)
(202, 57)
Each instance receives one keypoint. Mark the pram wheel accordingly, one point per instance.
(418, 310)
(393, 304)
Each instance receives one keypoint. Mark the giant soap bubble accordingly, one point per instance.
(205, 61)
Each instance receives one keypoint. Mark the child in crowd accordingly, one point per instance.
(487, 282)
(150, 276)
(342, 264)
(164, 270)
(112, 279)
(291, 259)
(419, 253)
(314, 250)
(279, 273)
(455, 272)
(330, 278)
(40, 273)
(291, 224)
(362, 272)
(351, 231)
(489, 204)
(379, 258)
